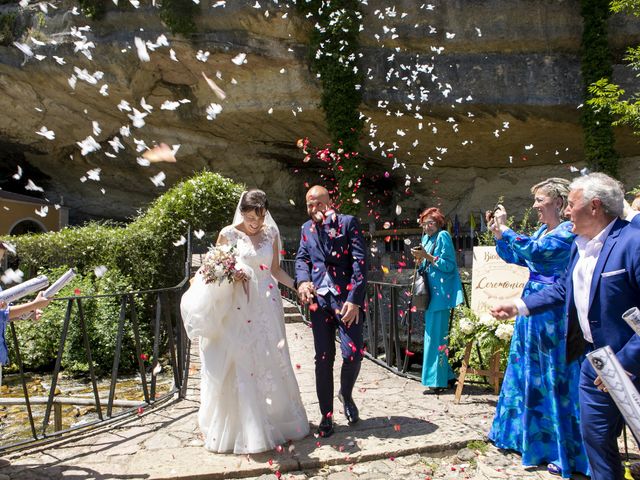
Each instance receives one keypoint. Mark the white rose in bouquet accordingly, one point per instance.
(487, 320)
(225, 248)
(218, 271)
(466, 326)
(504, 331)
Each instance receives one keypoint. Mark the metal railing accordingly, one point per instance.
(169, 341)
(390, 321)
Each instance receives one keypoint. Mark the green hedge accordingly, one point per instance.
(140, 255)
(143, 251)
(39, 341)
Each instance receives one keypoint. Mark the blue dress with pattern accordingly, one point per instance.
(538, 412)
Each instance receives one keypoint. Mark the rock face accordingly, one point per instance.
(475, 99)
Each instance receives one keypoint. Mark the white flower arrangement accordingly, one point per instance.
(466, 325)
(485, 329)
(504, 331)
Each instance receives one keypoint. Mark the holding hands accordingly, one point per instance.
(306, 292)
(240, 276)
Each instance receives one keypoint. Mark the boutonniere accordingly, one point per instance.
(333, 233)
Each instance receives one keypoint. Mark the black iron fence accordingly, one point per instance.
(393, 328)
(169, 355)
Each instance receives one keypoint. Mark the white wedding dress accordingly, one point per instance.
(250, 401)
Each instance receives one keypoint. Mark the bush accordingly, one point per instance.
(39, 342)
(142, 251)
(139, 256)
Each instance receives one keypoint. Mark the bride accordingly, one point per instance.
(249, 397)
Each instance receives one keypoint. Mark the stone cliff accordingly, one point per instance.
(474, 99)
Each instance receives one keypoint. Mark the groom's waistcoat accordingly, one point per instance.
(335, 249)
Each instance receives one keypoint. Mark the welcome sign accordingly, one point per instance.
(494, 281)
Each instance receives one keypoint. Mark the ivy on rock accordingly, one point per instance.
(333, 56)
(599, 140)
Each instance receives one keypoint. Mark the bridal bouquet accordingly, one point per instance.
(219, 264)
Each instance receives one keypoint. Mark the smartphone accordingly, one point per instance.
(493, 211)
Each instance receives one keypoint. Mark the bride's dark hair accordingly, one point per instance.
(254, 200)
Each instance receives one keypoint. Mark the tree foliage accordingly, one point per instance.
(610, 98)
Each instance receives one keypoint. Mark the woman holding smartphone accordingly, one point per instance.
(537, 413)
(437, 259)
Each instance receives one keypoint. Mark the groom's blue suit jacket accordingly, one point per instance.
(615, 288)
(340, 252)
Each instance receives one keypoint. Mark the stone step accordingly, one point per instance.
(291, 309)
(293, 318)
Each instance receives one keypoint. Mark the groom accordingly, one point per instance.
(331, 277)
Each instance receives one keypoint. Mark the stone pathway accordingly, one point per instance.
(402, 434)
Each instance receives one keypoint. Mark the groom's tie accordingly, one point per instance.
(326, 284)
(323, 237)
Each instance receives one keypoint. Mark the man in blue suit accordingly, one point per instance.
(331, 277)
(601, 283)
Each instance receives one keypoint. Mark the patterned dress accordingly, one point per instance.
(538, 412)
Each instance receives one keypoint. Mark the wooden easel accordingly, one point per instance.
(494, 375)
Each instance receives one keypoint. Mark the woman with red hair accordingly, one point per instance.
(437, 258)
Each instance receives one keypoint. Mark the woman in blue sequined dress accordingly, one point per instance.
(537, 412)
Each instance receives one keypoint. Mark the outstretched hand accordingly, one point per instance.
(504, 311)
(349, 313)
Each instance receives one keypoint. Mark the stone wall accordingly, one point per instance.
(509, 61)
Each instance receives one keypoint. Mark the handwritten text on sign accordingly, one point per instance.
(494, 280)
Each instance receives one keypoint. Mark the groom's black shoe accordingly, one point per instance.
(350, 410)
(325, 429)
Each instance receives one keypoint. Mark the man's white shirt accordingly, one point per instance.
(588, 252)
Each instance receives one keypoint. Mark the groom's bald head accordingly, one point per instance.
(318, 202)
(320, 193)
